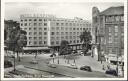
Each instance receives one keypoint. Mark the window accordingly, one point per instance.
(122, 18)
(57, 33)
(57, 38)
(70, 33)
(21, 24)
(73, 28)
(70, 24)
(30, 28)
(40, 33)
(45, 24)
(116, 28)
(66, 33)
(80, 28)
(34, 28)
(70, 37)
(70, 41)
(109, 29)
(57, 42)
(66, 28)
(45, 42)
(66, 37)
(40, 28)
(52, 33)
(40, 38)
(40, 42)
(45, 28)
(74, 41)
(40, 24)
(30, 38)
(21, 20)
(77, 28)
(25, 20)
(29, 24)
(74, 37)
(110, 39)
(52, 43)
(30, 42)
(62, 24)
(45, 19)
(74, 33)
(117, 18)
(83, 28)
(35, 24)
(45, 37)
(25, 28)
(62, 28)
(116, 34)
(57, 28)
(40, 19)
(57, 24)
(52, 28)
(66, 24)
(52, 38)
(116, 39)
(30, 33)
(35, 33)
(25, 24)
(77, 41)
(35, 42)
(45, 33)
(30, 19)
(35, 38)
(70, 28)
(62, 37)
(62, 33)
(35, 19)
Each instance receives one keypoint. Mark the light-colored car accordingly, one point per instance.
(34, 62)
(52, 65)
(73, 66)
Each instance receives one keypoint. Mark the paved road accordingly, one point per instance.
(59, 69)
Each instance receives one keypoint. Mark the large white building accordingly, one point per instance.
(46, 30)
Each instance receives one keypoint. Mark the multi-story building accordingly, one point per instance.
(49, 31)
(108, 30)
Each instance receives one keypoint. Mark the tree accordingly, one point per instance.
(86, 38)
(64, 48)
(17, 40)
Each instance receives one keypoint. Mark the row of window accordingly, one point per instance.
(71, 41)
(57, 28)
(35, 42)
(115, 39)
(57, 24)
(35, 33)
(54, 33)
(53, 38)
(114, 18)
(33, 24)
(50, 20)
(52, 42)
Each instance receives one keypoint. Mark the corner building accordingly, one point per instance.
(48, 31)
(108, 29)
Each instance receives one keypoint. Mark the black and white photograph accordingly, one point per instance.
(64, 40)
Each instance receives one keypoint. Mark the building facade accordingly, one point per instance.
(48, 31)
(108, 28)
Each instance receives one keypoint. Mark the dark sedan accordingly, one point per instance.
(86, 68)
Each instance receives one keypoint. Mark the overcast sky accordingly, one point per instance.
(65, 10)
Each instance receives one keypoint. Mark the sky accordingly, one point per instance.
(13, 10)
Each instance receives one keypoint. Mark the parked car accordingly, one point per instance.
(111, 72)
(52, 65)
(34, 62)
(86, 68)
(73, 66)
